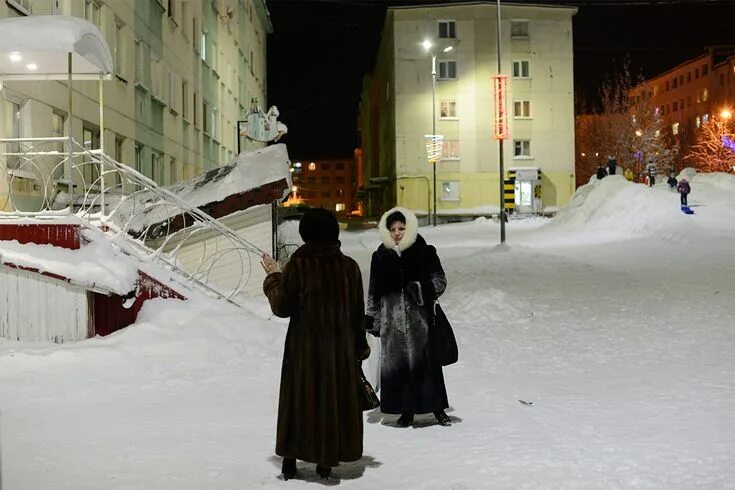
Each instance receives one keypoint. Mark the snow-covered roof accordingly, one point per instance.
(247, 171)
(36, 47)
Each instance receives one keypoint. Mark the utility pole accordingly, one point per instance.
(500, 150)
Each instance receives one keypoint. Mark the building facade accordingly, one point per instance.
(327, 183)
(185, 73)
(690, 94)
(399, 107)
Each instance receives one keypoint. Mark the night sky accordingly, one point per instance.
(321, 49)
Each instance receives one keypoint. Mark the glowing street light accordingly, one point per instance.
(725, 114)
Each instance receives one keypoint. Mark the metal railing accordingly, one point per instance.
(52, 177)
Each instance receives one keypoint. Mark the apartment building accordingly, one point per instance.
(185, 73)
(399, 107)
(688, 95)
(327, 183)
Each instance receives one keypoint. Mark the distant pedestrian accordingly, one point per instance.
(612, 164)
(684, 189)
(672, 181)
(601, 172)
(628, 174)
(651, 173)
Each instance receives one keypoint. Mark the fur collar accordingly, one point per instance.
(409, 238)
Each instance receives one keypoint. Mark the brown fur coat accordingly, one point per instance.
(319, 417)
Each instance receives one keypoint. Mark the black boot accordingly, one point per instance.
(323, 471)
(288, 468)
(405, 420)
(443, 418)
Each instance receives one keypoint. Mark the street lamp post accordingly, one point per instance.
(428, 47)
(501, 170)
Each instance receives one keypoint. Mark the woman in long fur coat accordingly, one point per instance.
(319, 414)
(406, 277)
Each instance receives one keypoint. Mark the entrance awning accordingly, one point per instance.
(37, 48)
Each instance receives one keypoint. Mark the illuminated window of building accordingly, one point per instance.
(340, 206)
(450, 150)
(698, 121)
(675, 128)
(312, 166)
(448, 108)
(657, 133)
(705, 94)
(705, 119)
(522, 109)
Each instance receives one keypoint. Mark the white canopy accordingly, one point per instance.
(36, 47)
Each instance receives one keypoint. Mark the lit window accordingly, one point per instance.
(522, 148)
(705, 94)
(450, 150)
(203, 46)
(705, 119)
(675, 128)
(698, 121)
(448, 108)
(340, 206)
(447, 29)
(522, 109)
(521, 69)
(518, 28)
(447, 70)
(450, 191)
(312, 166)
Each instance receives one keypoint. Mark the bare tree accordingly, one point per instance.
(626, 127)
(714, 148)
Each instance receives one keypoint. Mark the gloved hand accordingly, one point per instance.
(413, 290)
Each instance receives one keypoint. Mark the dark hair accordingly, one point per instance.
(393, 217)
(318, 225)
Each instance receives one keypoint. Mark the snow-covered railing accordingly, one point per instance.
(155, 223)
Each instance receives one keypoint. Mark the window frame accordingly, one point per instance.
(451, 28)
(451, 114)
(451, 149)
(447, 64)
(524, 103)
(456, 191)
(520, 63)
(525, 149)
(517, 22)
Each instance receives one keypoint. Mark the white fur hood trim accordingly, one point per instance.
(409, 238)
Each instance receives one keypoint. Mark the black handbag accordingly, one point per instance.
(366, 394)
(441, 339)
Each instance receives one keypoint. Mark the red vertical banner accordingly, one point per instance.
(501, 131)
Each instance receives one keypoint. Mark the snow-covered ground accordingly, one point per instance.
(615, 320)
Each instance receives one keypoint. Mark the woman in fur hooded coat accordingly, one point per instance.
(406, 277)
(320, 289)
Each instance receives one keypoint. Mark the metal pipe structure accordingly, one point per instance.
(501, 170)
(433, 121)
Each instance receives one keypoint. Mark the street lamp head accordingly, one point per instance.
(725, 114)
(447, 49)
(638, 132)
(426, 44)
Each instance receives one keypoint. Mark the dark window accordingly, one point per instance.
(447, 29)
(705, 70)
(326, 194)
(340, 165)
(340, 180)
(325, 166)
(325, 180)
